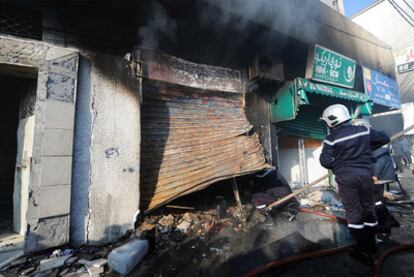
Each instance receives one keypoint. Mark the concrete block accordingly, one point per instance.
(47, 232)
(56, 170)
(49, 201)
(48, 264)
(125, 257)
(9, 256)
(59, 115)
(54, 200)
(57, 142)
(24, 52)
(60, 87)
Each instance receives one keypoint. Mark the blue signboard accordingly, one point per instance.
(381, 89)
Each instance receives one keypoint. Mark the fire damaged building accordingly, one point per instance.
(114, 109)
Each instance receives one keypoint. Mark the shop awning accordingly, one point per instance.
(327, 90)
(287, 100)
(297, 106)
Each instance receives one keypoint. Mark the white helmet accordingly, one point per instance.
(335, 115)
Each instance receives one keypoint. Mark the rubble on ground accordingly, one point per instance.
(202, 229)
(210, 233)
(326, 200)
(86, 261)
(164, 231)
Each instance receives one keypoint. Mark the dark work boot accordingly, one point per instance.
(360, 251)
(371, 241)
(362, 257)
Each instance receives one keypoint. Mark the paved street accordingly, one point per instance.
(400, 264)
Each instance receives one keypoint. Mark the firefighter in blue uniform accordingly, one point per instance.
(347, 151)
(384, 172)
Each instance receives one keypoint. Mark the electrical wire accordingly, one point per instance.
(397, 8)
(409, 6)
(403, 11)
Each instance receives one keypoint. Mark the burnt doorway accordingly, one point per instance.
(17, 96)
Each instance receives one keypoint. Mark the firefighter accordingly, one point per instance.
(347, 152)
(384, 173)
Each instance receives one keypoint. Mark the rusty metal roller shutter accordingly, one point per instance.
(192, 138)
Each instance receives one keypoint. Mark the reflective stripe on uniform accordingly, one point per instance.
(356, 226)
(371, 224)
(378, 203)
(331, 143)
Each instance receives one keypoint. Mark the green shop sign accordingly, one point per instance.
(327, 66)
(343, 93)
(285, 104)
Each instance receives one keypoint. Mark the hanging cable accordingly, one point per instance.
(411, 19)
(409, 6)
(396, 7)
(402, 13)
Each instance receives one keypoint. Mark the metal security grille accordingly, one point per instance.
(306, 124)
(19, 21)
(192, 138)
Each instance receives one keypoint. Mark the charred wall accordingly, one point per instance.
(106, 168)
(220, 33)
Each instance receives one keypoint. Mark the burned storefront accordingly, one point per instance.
(114, 120)
(297, 107)
(194, 128)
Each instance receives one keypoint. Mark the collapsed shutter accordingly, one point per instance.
(192, 138)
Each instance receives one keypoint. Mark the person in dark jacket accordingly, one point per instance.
(276, 187)
(347, 151)
(384, 172)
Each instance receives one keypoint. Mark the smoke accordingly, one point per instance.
(160, 27)
(296, 18)
(224, 24)
(227, 30)
(264, 26)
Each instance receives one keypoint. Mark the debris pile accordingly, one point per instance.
(326, 200)
(206, 236)
(175, 227)
(83, 262)
(209, 229)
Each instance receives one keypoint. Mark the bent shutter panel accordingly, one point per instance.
(192, 138)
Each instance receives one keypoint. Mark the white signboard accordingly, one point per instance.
(408, 116)
(404, 59)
